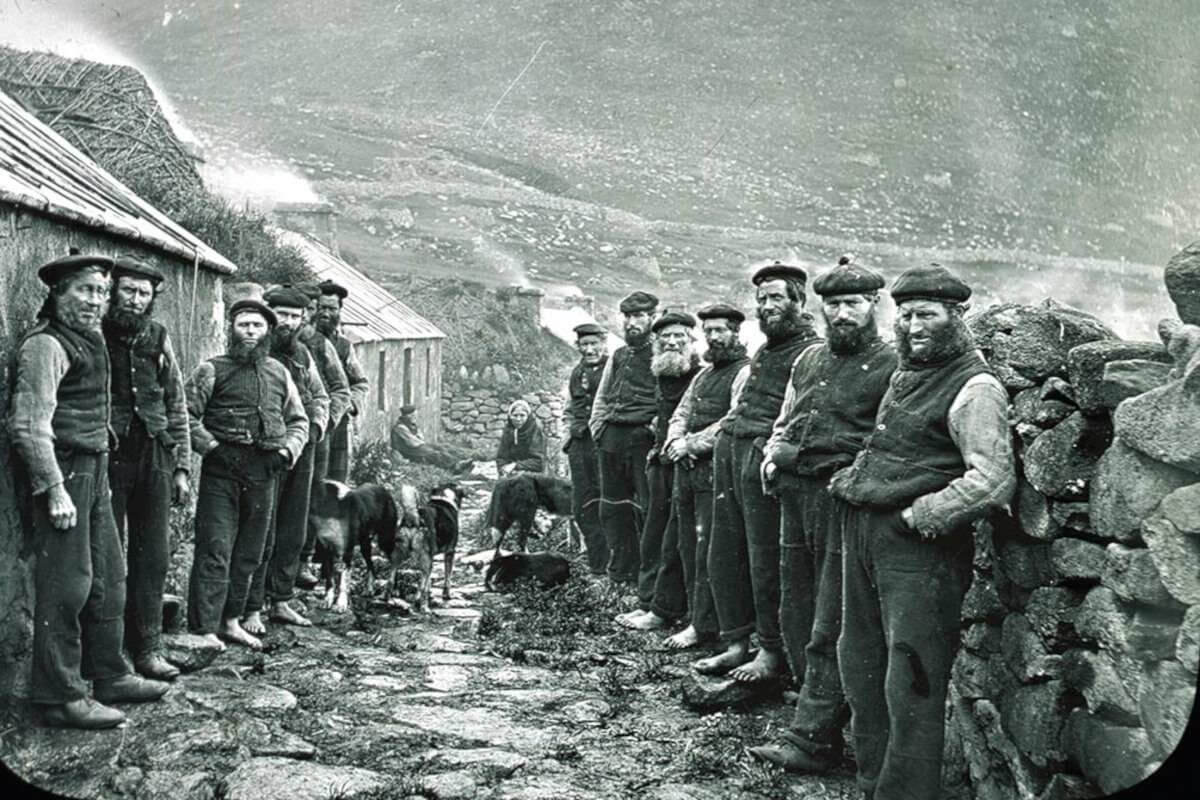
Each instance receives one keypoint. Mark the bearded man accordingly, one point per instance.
(591, 342)
(681, 587)
(743, 555)
(153, 455)
(59, 422)
(827, 413)
(939, 459)
(673, 364)
(620, 425)
(329, 317)
(275, 578)
(248, 422)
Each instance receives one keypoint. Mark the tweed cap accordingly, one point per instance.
(288, 296)
(333, 287)
(405, 410)
(721, 311)
(60, 268)
(638, 301)
(135, 267)
(848, 278)
(588, 329)
(251, 304)
(933, 282)
(310, 289)
(673, 318)
(779, 271)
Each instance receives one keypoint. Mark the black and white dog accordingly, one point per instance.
(342, 517)
(516, 499)
(436, 533)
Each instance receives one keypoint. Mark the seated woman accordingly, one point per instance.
(522, 444)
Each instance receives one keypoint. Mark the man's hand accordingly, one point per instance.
(767, 474)
(677, 449)
(62, 509)
(281, 461)
(181, 489)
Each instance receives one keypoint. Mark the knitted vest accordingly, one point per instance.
(710, 397)
(763, 394)
(631, 386)
(668, 393)
(582, 390)
(297, 362)
(247, 402)
(83, 406)
(911, 453)
(137, 388)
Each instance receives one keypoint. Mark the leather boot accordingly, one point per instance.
(152, 665)
(792, 758)
(83, 713)
(129, 688)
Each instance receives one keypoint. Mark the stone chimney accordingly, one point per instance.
(318, 220)
(523, 301)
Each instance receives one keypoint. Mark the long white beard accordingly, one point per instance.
(671, 364)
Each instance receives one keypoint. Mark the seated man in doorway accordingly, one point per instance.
(406, 439)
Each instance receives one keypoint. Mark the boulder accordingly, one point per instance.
(1051, 612)
(976, 676)
(1086, 365)
(1034, 717)
(982, 638)
(1130, 572)
(1125, 379)
(1127, 487)
(1076, 559)
(1024, 652)
(982, 602)
(1164, 423)
(163, 785)
(1033, 512)
(1187, 642)
(287, 779)
(1168, 693)
(1112, 756)
(1182, 509)
(1056, 388)
(1102, 619)
(1176, 556)
(1097, 677)
(998, 770)
(1063, 459)
(1182, 277)
(188, 651)
(1183, 344)
(1025, 563)
(1071, 516)
(707, 693)
(1033, 341)
(501, 375)
(1029, 407)
(1027, 434)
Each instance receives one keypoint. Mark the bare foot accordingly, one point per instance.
(735, 655)
(232, 631)
(766, 665)
(282, 612)
(647, 622)
(253, 623)
(215, 641)
(684, 640)
(623, 619)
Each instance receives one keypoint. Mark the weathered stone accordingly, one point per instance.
(1127, 487)
(1182, 277)
(287, 779)
(1027, 434)
(1029, 407)
(1086, 365)
(587, 711)
(1034, 341)
(982, 601)
(1125, 379)
(1145, 632)
(1164, 423)
(706, 693)
(1068, 787)
(1166, 699)
(1063, 459)
(1033, 512)
(979, 676)
(1071, 516)
(446, 678)
(222, 694)
(683, 791)
(1097, 677)
(1025, 563)
(1034, 716)
(1182, 508)
(982, 638)
(1076, 559)
(458, 785)
(1056, 388)
(1051, 613)
(501, 375)
(1130, 572)
(1111, 756)
(1187, 642)
(484, 759)
(477, 724)
(1024, 652)
(998, 771)
(163, 785)
(1176, 556)
(188, 651)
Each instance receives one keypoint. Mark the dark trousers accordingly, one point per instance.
(140, 473)
(340, 446)
(743, 554)
(79, 588)
(233, 514)
(320, 473)
(903, 597)
(275, 578)
(692, 503)
(659, 480)
(623, 493)
(585, 500)
(810, 607)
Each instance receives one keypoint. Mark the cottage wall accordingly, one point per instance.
(384, 364)
(195, 321)
(473, 415)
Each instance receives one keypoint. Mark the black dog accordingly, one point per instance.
(342, 516)
(548, 569)
(516, 499)
(436, 533)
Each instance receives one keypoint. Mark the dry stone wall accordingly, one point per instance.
(1078, 666)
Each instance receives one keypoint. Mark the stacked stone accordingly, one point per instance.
(1078, 661)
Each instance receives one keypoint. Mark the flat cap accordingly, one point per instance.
(333, 287)
(778, 271)
(405, 410)
(60, 268)
(588, 329)
(135, 267)
(848, 278)
(288, 296)
(933, 282)
(310, 289)
(638, 301)
(721, 311)
(251, 304)
(673, 318)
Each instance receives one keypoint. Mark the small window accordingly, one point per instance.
(382, 381)
(408, 376)
(429, 370)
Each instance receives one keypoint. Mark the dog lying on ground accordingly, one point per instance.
(436, 532)
(516, 499)
(342, 517)
(548, 569)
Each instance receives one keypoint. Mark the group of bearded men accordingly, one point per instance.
(105, 426)
(820, 496)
